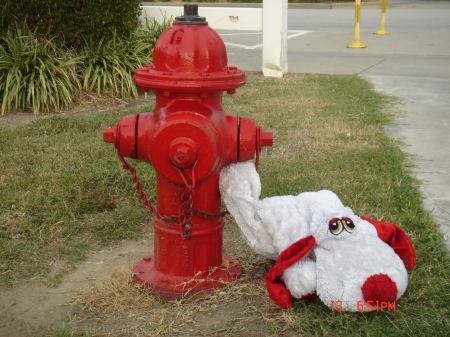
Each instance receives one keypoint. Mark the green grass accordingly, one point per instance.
(66, 332)
(64, 192)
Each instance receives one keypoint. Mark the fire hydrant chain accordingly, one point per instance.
(142, 194)
(186, 209)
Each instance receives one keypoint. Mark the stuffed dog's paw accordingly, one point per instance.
(240, 180)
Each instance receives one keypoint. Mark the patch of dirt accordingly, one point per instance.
(32, 309)
(100, 297)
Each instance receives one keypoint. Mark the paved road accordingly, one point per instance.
(412, 63)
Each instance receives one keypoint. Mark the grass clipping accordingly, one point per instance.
(118, 307)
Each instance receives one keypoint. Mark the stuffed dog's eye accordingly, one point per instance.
(335, 226)
(348, 224)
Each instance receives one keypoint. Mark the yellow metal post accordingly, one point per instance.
(382, 30)
(357, 43)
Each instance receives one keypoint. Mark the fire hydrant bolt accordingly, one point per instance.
(181, 156)
(183, 152)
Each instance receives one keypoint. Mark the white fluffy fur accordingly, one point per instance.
(337, 266)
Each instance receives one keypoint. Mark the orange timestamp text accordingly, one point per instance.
(366, 306)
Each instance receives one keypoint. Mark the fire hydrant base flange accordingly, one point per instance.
(203, 284)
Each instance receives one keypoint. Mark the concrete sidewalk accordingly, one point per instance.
(413, 63)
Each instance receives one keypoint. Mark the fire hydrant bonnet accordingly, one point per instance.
(187, 58)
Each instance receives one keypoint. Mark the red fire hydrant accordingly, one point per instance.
(187, 138)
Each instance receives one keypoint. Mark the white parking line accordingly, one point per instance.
(231, 34)
(243, 46)
(298, 33)
(291, 34)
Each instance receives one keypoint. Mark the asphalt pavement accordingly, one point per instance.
(412, 63)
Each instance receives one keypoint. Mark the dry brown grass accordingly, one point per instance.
(115, 306)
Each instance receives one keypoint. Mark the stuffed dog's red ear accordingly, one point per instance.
(275, 286)
(395, 237)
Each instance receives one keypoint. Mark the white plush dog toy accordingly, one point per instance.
(322, 248)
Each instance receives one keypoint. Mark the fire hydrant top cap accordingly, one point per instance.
(190, 16)
(189, 56)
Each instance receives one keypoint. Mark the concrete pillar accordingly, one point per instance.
(275, 38)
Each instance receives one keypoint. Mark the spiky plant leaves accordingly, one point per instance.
(150, 30)
(35, 74)
(109, 64)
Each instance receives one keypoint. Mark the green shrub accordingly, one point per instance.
(109, 64)
(34, 73)
(72, 21)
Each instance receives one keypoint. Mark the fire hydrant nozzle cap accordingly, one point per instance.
(266, 139)
(190, 16)
(109, 135)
